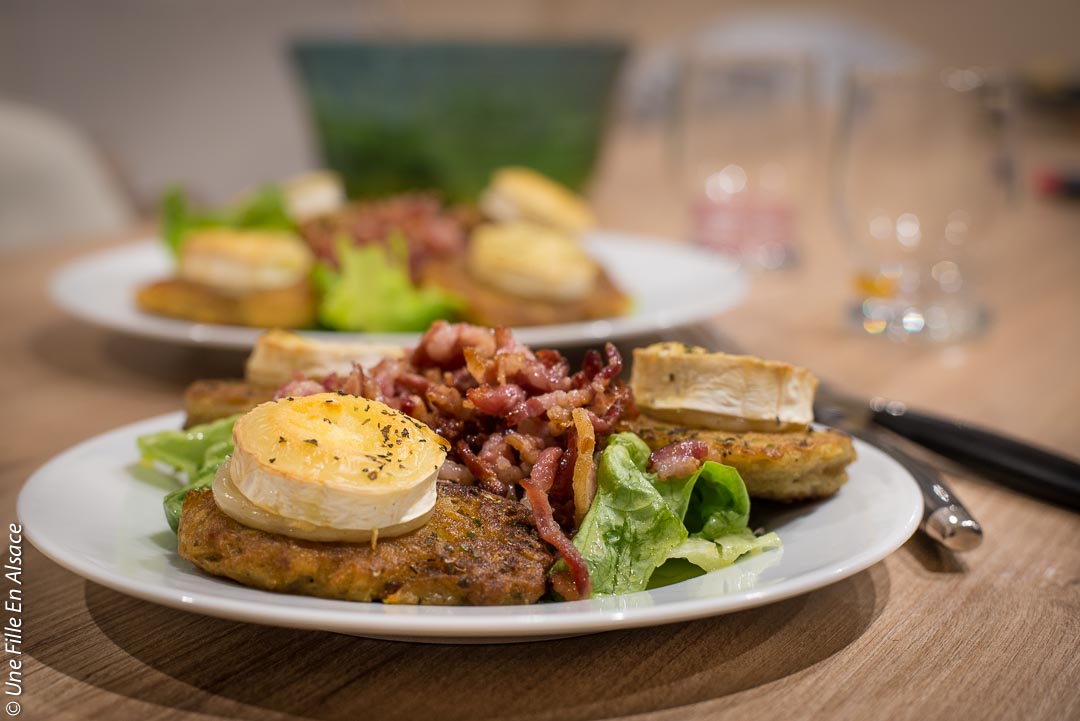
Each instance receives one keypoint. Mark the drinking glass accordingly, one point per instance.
(744, 139)
(919, 168)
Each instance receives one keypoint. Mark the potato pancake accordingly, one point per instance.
(291, 307)
(477, 549)
(791, 466)
(208, 400)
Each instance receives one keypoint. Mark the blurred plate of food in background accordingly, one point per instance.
(526, 255)
(670, 285)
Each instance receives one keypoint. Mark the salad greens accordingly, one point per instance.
(642, 532)
(371, 290)
(196, 453)
(263, 210)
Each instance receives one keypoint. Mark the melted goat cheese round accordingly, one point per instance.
(330, 467)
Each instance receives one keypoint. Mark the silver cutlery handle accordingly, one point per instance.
(952, 527)
(944, 518)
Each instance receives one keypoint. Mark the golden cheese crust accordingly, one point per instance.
(791, 466)
(477, 549)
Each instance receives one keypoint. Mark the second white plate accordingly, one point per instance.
(87, 511)
(672, 285)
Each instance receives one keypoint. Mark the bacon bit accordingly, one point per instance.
(497, 455)
(590, 366)
(527, 446)
(584, 467)
(496, 400)
(443, 344)
(299, 389)
(414, 382)
(678, 460)
(614, 366)
(536, 489)
(561, 495)
(539, 405)
(483, 472)
(504, 340)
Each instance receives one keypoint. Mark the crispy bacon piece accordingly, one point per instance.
(678, 460)
(299, 388)
(496, 400)
(527, 446)
(536, 489)
(484, 473)
(539, 405)
(443, 345)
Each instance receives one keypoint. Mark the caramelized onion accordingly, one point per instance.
(584, 467)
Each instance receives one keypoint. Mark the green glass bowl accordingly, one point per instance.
(391, 117)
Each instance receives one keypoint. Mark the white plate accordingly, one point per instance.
(672, 285)
(85, 510)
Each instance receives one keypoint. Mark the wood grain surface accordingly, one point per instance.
(991, 634)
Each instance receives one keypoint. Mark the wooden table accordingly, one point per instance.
(994, 633)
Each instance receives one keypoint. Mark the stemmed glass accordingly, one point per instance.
(919, 167)
(744, 138)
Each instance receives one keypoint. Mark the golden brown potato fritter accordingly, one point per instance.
(291, 307)
(477, 549)
(793, 466)
(209, 400)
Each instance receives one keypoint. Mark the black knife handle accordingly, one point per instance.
(1021, 466)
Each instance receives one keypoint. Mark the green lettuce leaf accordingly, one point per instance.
(696, 555)
(643, 532)
(674, 570)
(372, 291)
(629, 529)
(195, 454)
(263, 210)
(719, 504)
(725, 550)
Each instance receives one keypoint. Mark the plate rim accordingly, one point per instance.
(232, 337)
(467, 623)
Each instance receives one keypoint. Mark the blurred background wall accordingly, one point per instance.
(201, 91)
